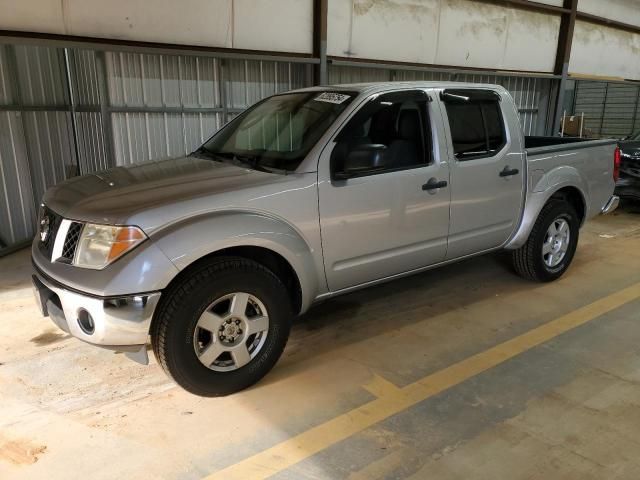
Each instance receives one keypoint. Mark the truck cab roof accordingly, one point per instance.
(378, 87)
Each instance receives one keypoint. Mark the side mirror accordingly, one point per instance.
(361, 160)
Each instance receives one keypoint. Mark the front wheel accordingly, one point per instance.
(222, 328)
(551, 244)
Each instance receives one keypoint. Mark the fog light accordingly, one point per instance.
(85, 320)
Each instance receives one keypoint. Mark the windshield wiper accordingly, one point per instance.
(243, 160)
(250, 161)
(206, 153)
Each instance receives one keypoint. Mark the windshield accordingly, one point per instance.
(277, 133)
(634, 136)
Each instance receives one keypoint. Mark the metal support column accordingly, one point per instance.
(107, 126)
(635, 113)
(222, 81)
(563, 55)
(320, 14)
(604, 108)
(68, 61)
(543, 108)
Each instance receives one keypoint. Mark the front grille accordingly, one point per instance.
(71, 242)
(54, 221)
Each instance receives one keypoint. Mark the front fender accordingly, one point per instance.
(144, 269)
(188, 241)
(539, 194)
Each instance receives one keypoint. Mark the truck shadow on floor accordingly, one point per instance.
(49, 337)
(629, 206)
(374, 311)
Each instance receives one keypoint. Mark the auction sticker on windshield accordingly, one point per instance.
(331, 97)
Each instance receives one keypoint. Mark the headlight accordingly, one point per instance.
(99, 245)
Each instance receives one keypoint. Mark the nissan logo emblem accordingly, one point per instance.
(44, 228)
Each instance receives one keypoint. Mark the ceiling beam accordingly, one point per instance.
(587, 17)
(529, 5)
(115, 45)
(425, 67)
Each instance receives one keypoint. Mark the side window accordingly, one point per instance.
(388, 133)
(477, 129)
(467, 129)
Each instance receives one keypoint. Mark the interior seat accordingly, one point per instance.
(382, 130)
(405, 149)
(356, 137)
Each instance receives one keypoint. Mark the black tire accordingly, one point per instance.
(172, 332)
(528, 260)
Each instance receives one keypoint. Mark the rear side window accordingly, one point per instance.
(477, 129)
(467, 129)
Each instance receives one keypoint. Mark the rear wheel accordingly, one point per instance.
(551, 244)
(223, 328)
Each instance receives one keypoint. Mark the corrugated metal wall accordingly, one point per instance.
(64, 111)
(85, 83)
(42, 86)
(610, 109)
(16, 196)
(188, 88)
(166, 106)
(35, 135)
(531, 95)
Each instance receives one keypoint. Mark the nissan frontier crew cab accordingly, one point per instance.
(304, 196)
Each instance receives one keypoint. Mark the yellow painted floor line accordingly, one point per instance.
(394, 400)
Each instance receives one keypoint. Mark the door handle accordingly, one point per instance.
(433, 184)
(508, 172)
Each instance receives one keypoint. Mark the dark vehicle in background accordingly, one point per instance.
(628, 185)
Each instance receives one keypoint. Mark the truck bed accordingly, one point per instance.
(589, 161)
(534, 145)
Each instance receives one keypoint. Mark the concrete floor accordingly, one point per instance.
(361, 391)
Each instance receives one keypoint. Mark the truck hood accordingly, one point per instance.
(131, 194)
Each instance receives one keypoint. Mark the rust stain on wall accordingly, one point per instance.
(540, 22)
(478, 27)
(362, 7)
(490, 19)
(588, 33)
(385, 7)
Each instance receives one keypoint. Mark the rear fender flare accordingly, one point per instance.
(540, 193)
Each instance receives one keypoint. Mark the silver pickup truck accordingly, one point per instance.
(306, 195)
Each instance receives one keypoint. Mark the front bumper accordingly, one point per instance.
(118, 323)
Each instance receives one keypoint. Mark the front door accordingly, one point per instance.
(394, 217)
(487, 171)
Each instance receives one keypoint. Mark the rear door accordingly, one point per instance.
(394, 219)
(487, 169)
